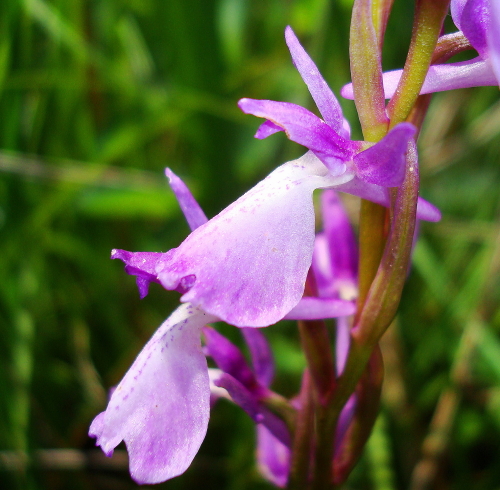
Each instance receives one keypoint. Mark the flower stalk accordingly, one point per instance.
(303, 439)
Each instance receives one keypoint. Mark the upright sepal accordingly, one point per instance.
(192, 211)
(323, 96)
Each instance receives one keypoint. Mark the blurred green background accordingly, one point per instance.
(96, 98)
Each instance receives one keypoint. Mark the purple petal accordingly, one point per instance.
(161, 407)
(342, 244)
(273, 457)
(229, 358)
(310, 308)
(384, 163)
(325, 100)
(250, 404)
(475, 22)
(249, 264)
(241, 396)
(494, 38)
(216, 392)
(464, 74)
(345, 419)
(342, 343)
(347, 91)
(322, 268)
(425, 210)
(140, 264)
(267, 128)
(189, 206)
(457, 7)
(307, 129)
(261, 354)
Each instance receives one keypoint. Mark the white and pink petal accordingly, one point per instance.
(248, 264)
(161, 406)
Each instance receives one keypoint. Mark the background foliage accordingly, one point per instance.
(96, 98)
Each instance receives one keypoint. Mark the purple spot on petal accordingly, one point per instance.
(186, 283)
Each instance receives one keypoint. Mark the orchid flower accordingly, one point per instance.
(368, 169)
(161, 407)
(248, 264)
(479, 21)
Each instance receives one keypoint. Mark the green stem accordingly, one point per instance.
(385, 292)
(320, 365)
(429, 17)
(372, 223)
(326, 425)
(368, 394)
(280, 406)
(447, 47)
(316, 346)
